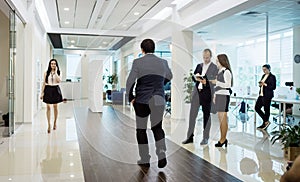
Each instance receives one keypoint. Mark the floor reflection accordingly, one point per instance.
(53, 161)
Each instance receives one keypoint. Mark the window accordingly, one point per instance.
(73, 67)
(251, 57)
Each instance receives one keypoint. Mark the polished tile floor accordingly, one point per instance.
(250, 155)
(32, 154)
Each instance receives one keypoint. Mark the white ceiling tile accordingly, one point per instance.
(83, 14)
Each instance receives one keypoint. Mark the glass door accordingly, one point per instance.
(11, 75)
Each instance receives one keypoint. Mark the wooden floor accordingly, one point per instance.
(109, 152)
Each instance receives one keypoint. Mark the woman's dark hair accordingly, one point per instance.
(148, 46)
(224, 61)
(267, 66)
(49, 69)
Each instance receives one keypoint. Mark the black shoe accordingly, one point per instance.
(266, 124)
(204, 141)
(261, 126)
(188, 140)
(221, 144)
(143, 163)
(162, 163)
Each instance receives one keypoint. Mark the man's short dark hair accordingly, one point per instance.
(267, 66)
(208, 50)
(148, 46)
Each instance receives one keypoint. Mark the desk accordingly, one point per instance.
(280, 100)
(284, 102)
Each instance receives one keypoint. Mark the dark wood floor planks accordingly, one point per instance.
(109, 151)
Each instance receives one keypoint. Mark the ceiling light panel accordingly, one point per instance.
(101, 13)
(119, 12)
(66, 16)
(140, 7)
(84, 11)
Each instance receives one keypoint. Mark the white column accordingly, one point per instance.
(123, 71)
(296, 67)
(95, 85)
(28, 75)
(182, 62)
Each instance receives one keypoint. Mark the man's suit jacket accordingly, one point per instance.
(151, 73)
(268, 91)
(208, 89)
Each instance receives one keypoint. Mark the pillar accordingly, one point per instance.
(296, 66)
(182, 62)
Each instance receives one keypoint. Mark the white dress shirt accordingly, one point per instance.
(227, 84)
(204, 70)
(262, 87)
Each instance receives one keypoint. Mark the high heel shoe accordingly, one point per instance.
(49, 129)
(54, 127)
(219, 144)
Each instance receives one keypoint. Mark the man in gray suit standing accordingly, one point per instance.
(151, 74)
(202, 95)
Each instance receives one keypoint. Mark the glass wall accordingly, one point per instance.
(251, 56)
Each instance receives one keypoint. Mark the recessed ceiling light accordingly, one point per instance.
(67, 22)
(73, 41)
(72, 176)
(104, 42)
(136, 13)
(66, 9)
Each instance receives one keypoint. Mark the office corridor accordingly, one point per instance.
(102, 147)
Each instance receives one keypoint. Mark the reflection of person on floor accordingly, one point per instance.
(53, 161)
(265, 170)
(151, 73)
(223, 158)
(293, 174)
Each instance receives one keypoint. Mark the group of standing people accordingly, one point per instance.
(212, 92)
(149, 74)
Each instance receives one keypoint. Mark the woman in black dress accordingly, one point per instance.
(51, 93)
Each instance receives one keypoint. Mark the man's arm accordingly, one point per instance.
(169, 74)
(131, 81)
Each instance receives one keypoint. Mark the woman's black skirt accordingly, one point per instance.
(52, 94)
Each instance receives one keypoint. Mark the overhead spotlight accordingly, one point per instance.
(67, 22)
(72, 41)
(66, 9)
(136, 13)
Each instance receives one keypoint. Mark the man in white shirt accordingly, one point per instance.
(202, 95)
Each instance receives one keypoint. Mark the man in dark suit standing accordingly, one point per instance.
(202, 95)
(267, 86)
(151, 73)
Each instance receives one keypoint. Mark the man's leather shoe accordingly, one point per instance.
(204, 141)
(188, 140)
(162, 163)
(143, 163)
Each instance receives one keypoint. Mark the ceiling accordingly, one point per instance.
(282, 14)
(109, 16)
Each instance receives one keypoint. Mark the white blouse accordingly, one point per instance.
(227, 84)
(53, 79)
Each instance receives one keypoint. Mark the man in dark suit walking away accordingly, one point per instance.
(150, 74)
(267, 86)
(202, 94)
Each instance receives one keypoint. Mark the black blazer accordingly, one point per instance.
(208, 89)
(268, 90)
